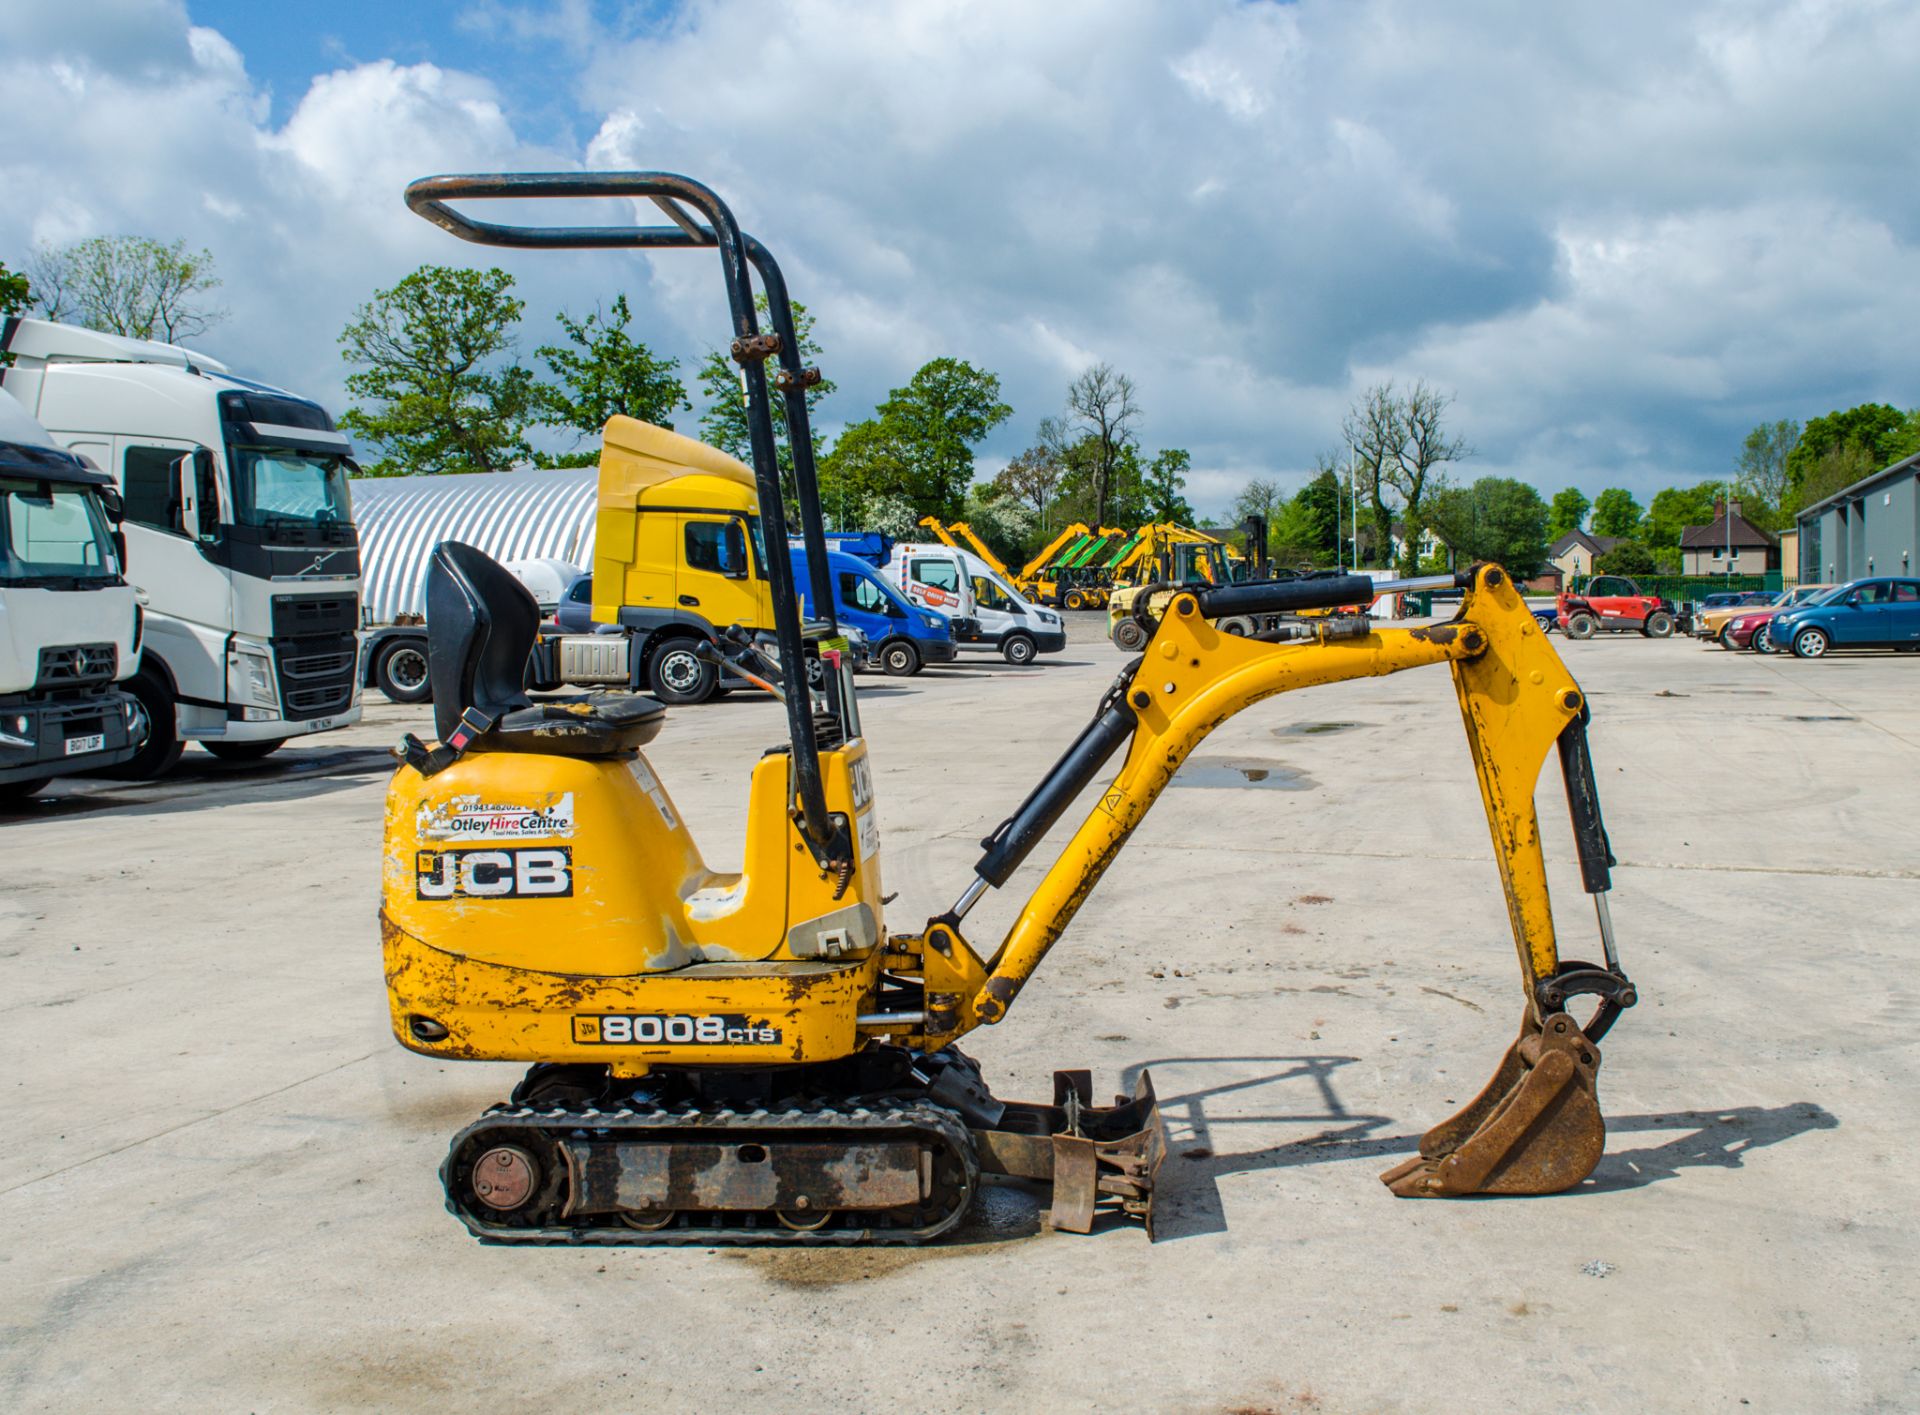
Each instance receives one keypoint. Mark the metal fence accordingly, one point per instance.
(1696, 587)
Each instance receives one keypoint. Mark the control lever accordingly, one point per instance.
(709, 652)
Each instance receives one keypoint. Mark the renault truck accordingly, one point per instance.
(69, 623)
(239, 532)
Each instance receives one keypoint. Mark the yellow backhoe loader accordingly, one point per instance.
(755, 1056)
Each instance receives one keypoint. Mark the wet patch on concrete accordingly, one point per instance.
(1001, 1213)
(1257, 772)
(1315, 729)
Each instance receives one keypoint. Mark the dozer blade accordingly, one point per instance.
(1535, 1129)
(1097, 1158)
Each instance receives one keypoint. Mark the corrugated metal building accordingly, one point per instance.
(1870, 528)
(524, 515)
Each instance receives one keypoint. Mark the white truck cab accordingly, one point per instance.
(69, 623)
(961, 585)
(239, 532)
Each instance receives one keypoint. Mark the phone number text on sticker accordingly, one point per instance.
(646, 1029)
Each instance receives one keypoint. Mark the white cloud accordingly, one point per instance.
(1621, 235)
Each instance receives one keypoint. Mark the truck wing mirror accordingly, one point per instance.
(177, 495)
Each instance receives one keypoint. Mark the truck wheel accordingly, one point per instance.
(679, 675)
(163, 746)
(401, 671)
(1810, 643)
(15, 793)
(1075, 600)
(1129, 637)
(1659, 625)
(1018, 650)
(245, 751)
(900, 658)
(1581, 626)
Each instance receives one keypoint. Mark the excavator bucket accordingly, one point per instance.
(1535, 1129)
(1097, 1158)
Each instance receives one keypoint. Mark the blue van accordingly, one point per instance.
(901, 637)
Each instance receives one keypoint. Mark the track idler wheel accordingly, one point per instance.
(1535, 1129)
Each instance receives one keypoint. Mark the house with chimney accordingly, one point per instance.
(1574, 553)
(1729, 544)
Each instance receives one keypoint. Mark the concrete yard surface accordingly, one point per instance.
(221, 1180)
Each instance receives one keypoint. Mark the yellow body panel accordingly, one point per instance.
(652, 484)
(523, 892)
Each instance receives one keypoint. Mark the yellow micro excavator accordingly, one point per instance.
(755, 1056)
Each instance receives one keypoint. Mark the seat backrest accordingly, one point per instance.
(481, 625)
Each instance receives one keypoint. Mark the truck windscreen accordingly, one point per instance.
(52, 535)
(272, 486)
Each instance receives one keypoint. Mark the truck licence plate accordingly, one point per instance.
(93, 743)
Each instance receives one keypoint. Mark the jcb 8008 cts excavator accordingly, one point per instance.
(755, 1056)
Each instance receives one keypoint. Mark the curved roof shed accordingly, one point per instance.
(533, 514)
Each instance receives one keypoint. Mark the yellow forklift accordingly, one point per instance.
(757, 1056)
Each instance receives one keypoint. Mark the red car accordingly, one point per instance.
(1748, 629)
(1612, 602)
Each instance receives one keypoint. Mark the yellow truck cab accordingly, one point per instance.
(678, 555)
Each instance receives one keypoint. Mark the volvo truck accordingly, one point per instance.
(69, 623)
(239, 532)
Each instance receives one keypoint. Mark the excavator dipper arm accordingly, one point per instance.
(1537, 1126)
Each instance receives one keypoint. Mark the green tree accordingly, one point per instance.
(1616, 513)
(1166, 478)
(601, 371)
(15, 293)
(724, 422)
(1835, 470)
(131, 285)
(1627, 558)
(1762, 464)
(1567, 511)
(15, 296)
(1497, 519)
(1881, 431)
(436, 377)
(1032, 480)
(918, 445)
(1675, 508)
(1310, 529)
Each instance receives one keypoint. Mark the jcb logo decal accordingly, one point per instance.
(494, 874)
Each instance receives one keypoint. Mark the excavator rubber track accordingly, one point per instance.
(885, 1172)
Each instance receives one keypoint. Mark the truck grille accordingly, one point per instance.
(77, 666)
(316, 672)
(296, 616)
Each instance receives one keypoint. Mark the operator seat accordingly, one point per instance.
(481, 627)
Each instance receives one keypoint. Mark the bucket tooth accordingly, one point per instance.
(1534, 1129)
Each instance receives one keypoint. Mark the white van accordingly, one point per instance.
(964, 587)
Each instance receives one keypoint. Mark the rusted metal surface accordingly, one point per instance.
(503, 1177)
(1097, 1158)
(1534, 1129)
(755, 348)
(801, 1176)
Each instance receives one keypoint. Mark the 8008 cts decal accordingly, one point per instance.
(705, 1029)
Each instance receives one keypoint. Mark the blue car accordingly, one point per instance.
(1870, 613)
(901, 637)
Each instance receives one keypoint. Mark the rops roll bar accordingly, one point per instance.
(674, 195)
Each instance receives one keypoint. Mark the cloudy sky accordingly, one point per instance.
(1620, 234)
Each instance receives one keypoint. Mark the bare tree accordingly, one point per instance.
(1033, 478)
(1422, 449)
(128, 285)
(1102, 402)
(1373, 434)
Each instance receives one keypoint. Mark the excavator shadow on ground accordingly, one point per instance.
(1200, 1153)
